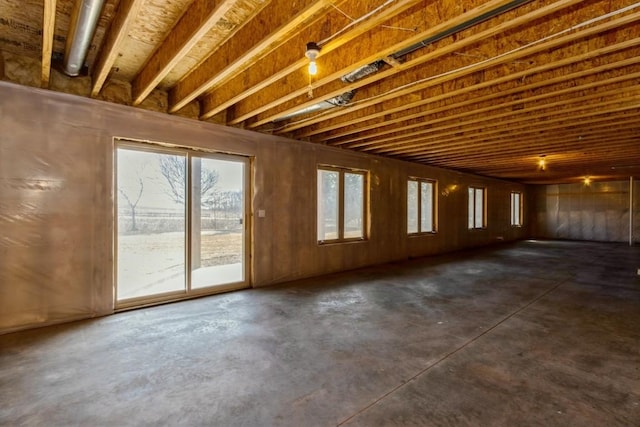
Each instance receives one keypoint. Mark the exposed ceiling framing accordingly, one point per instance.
(481, 86)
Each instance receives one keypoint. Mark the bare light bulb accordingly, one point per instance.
(313, 68)
(312, 52)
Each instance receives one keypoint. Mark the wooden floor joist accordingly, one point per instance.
(462, 84)
(351, 128)
(551, 44)
(482, 117)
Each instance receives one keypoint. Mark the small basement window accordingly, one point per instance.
(421, 206)
(477, 208)
(342, 204)
(516, 209)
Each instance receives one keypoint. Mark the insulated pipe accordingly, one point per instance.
(84, 20)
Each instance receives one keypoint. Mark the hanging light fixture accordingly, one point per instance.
(542, 164)
(313, 50)
(587, 181)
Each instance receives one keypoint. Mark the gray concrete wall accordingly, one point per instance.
(56, 203)
(598, 212)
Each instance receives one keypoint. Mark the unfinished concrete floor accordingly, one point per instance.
(532, 333)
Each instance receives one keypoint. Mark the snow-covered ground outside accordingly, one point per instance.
(150, 264)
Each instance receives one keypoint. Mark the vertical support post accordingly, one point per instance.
(196, 208)
(48, 29)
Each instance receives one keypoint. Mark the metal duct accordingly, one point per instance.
(373, 67)
(84, 20)
(361, 72)
(368, 69)
(336, 101)
(460, 27)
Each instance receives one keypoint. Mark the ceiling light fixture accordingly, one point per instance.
(542, 164)
(313, 50)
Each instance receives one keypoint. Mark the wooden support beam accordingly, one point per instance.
(497, 153)
(286, 99)
(201, 16)
(392, 61)
(563, 139)
(515, 129)
(253, 41)
(485, 121)
(120, 26)
(262, 74)
(48, 29)
(554, 43)
(368, 130)
(483, 114)
(578, 156)
(569, 148)
(417, 143)
(565, 147)
(401, 105)
(525, 134)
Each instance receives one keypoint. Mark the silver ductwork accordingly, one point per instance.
(84, 20)
(336, 101)
(374, 67)
(368, 69)
(361, 72)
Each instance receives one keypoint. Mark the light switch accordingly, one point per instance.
(261, 213)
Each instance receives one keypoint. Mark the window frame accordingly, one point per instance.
(340, 200)
(475, 203)
(188, 153)
(434, 206)
(512, 216)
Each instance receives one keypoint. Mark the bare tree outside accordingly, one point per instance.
(128, 194)
(173, 169)
(178, 213)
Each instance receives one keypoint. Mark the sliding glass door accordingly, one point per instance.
(181, 226)
(217, 225)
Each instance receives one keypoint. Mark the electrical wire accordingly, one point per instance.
(354, 21)
(408, 85)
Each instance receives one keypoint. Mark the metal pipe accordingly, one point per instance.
(373, 67)
(460, 27)
(84, 20)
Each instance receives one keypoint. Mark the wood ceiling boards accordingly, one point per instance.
(481, 86)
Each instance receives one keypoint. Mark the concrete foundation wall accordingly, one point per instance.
(56, 203)
(598, 212)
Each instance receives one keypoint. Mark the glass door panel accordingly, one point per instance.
(151, 223)
(217, 225)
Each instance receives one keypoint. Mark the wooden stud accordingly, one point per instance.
(48, 28)
(554, 43)
(194, 24)
(452, 138)
(242, 50)
(482, 114)
(120, 26)
(392, 61)
(375, 129)
(262, 74)
(291, 101)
